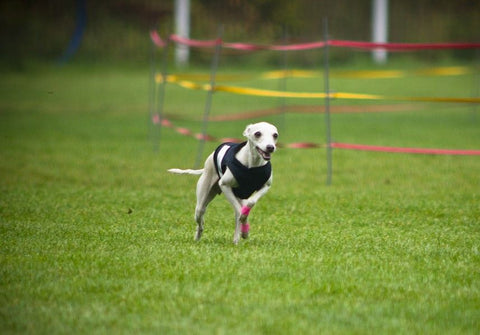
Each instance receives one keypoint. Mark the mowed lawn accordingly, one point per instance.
(97, 238)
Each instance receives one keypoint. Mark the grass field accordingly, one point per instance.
(97, 238)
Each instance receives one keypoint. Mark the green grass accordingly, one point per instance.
(96, 237)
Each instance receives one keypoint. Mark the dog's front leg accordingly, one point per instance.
(226, 183)
(237, 207)
(250, 202)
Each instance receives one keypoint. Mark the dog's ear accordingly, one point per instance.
(247, 130)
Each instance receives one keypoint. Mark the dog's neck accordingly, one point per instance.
(249, 156)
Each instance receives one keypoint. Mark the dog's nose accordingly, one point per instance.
(270, 148)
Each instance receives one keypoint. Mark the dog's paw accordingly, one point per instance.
(245, 230)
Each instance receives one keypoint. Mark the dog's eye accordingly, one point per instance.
(258, 134)
(275, 136)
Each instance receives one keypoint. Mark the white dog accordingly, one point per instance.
(241, 171)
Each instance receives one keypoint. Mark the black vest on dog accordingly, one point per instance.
(249, 180)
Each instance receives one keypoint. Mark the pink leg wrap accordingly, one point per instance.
(245, 210)
(245, 228)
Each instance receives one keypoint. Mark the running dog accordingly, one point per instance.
(241, 171)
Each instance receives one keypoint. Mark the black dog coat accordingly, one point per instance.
(249, 180)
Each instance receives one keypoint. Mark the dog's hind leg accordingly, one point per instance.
(207, 189)
(203, 199)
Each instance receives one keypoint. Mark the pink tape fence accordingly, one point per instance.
(156, 39)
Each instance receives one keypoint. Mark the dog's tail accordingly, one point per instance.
(187, 171)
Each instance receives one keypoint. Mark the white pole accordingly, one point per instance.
(379, 29)
(182, 28)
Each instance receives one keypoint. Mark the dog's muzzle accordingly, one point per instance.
(266, 155)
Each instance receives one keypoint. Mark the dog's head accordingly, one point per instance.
(263, 137)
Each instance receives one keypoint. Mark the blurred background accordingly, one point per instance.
(117, 30)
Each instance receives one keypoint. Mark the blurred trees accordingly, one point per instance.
(118, 29)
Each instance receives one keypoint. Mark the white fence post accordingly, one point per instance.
(182, 28)
(379, 29)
